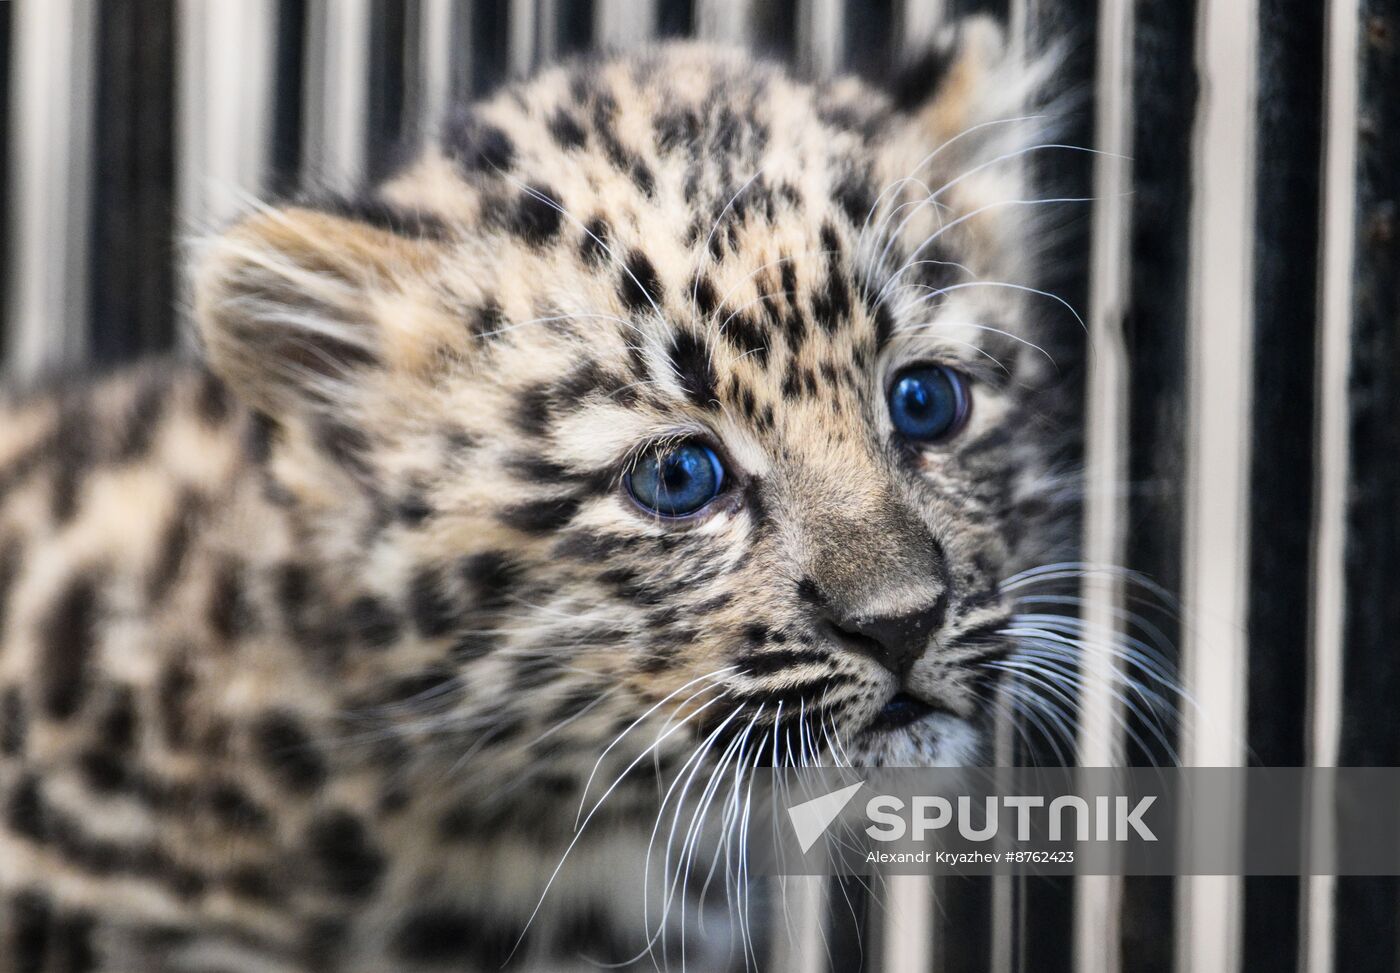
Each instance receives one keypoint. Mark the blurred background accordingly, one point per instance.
(1236, 259)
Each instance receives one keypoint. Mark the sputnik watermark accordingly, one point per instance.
(1107, 818)
(1100, 821)
(1112, 818)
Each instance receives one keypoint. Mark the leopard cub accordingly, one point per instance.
(669, 416)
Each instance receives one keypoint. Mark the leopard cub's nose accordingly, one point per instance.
(894, 641)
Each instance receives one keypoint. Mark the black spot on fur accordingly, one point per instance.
(855, 197)
(490, 576)
(583, 545)
(414, 508)
(286, 750)
(531, 671)
(533, 409)
(347, 860)
(141, 422)
(747, 337)
(566, 131)
(915, 81)
(31, 918)
(677, 129)
(536, 218)
(383, 215)
(690, 356)
(642, 177)
(573, 702)
(233, 808)
(374, 623)
(227, 611)
(174, 545)
(537, 469)
(441, 934)
(24, 815)
(252, 882)
(345, 445)
(12, 722)
(434, 611)
(621, 157)
(212, 401)
(73, 951)
(792, 383)
(884, 325)
(486, 321)
(172, 700)
(639, 284)
(73, 453)
(68, 636)
(10, 555)
(294, 589)
(477, 147)
(103, 771)
(832, 303)
(473, 645)
(780, 660)
(433, 687)
(541, 516)
(705, 297)
(593, 248)
(118, 725)
(261, 433)
(578, 384)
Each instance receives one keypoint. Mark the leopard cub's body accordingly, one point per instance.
(312, 653)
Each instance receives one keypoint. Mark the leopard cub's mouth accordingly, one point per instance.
(902, 710)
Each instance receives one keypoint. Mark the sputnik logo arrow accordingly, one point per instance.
(810, 819)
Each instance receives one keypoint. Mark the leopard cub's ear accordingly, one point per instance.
(978, 112)
(968, 75)
(294, 304)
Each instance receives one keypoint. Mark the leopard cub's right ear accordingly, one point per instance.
(290, 303)
(967, 75)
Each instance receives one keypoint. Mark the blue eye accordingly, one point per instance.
(676, 480)
(928, 402)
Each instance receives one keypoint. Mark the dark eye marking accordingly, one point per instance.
(928, 403)
(541, 516)
(537, 405)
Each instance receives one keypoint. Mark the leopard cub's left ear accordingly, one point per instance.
(293, 304)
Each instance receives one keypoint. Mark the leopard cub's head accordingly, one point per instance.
(667, 398)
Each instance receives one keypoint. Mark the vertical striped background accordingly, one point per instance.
(1240, 271)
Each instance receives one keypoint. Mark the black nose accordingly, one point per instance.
(894, 641)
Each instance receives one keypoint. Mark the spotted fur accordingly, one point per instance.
(309, 650)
